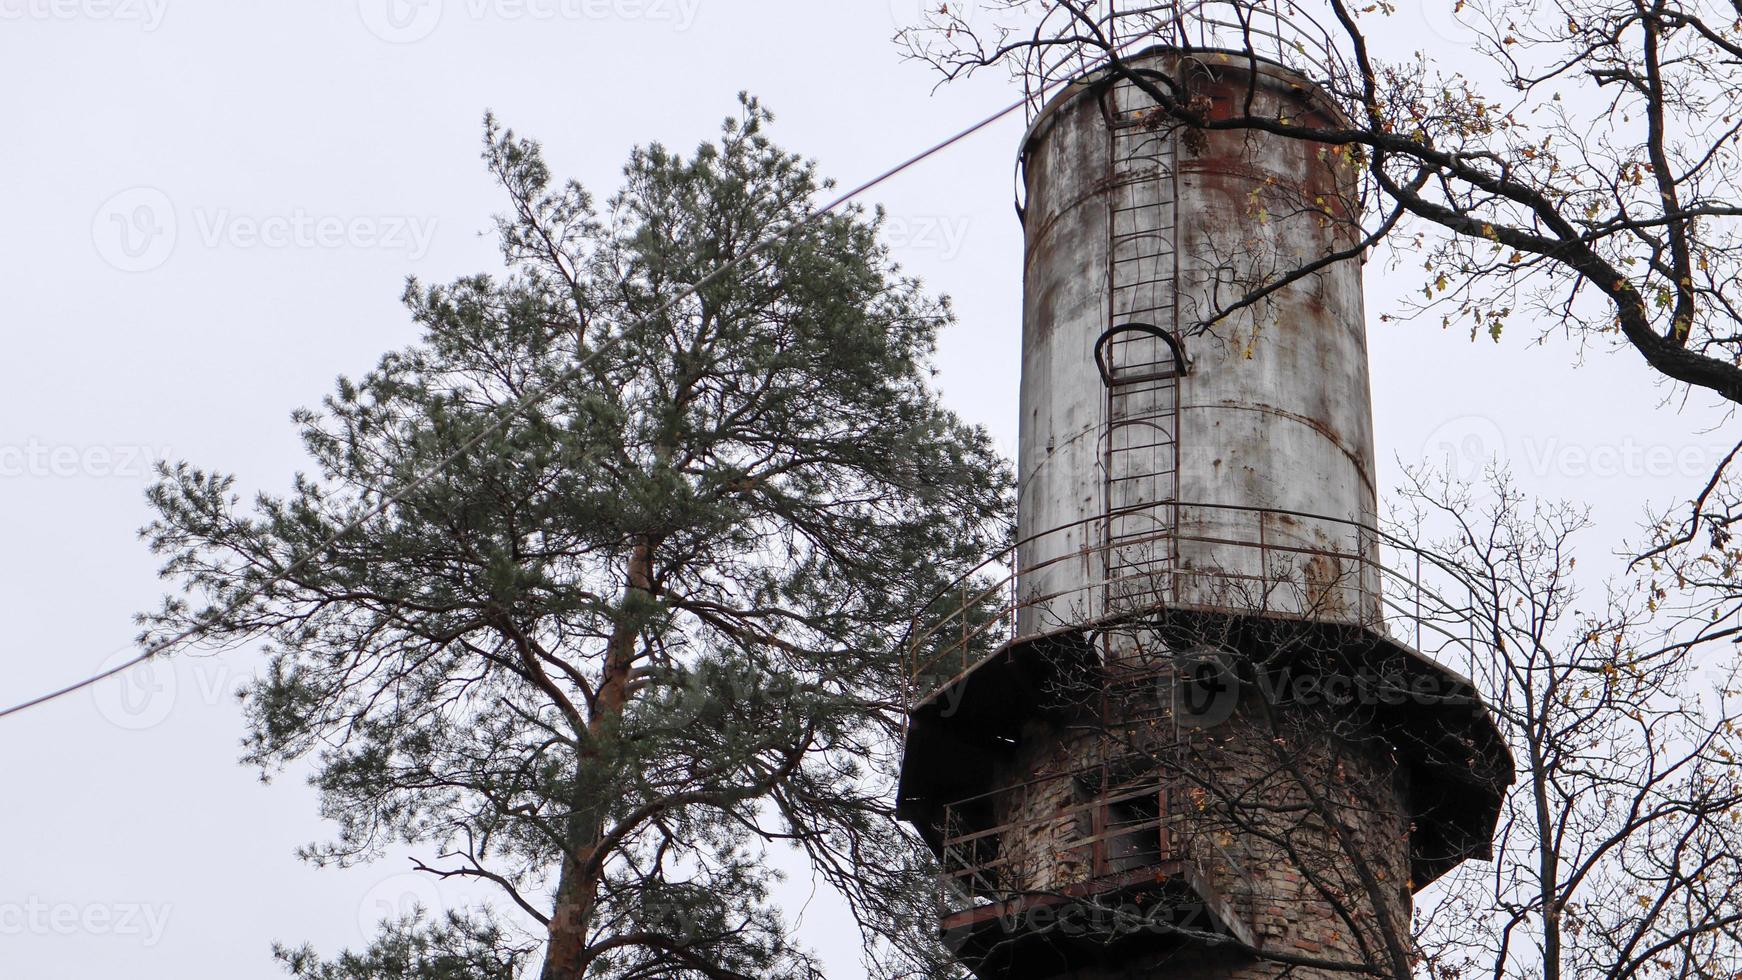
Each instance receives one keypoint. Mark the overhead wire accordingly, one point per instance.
(527, 401)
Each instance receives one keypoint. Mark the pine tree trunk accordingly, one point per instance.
(577, 890)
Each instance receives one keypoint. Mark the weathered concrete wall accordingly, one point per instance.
(1063, 404)
(1275, 410)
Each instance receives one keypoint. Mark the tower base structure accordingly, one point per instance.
(1188, 789)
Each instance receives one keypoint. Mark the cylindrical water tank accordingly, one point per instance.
(1170, 456)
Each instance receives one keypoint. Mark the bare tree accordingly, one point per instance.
(1573, 169)
(1619, 851)
(1619, 848)
(1577, 162)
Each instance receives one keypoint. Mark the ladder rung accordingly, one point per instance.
(1134, 420)
(1123, 211)
(1137, 448)
(1129, 450)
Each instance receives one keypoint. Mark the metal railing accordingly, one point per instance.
(1291, 33)
(1381, 582)
(1283, 31)
(1051, 840)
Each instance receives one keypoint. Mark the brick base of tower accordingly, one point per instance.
(1102, 810)
(1284, 835)
(1301, 811)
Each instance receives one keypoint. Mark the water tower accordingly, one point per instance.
(1203, 716)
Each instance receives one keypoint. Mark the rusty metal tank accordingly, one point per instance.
(1173, 451)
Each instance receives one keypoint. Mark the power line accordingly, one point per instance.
(526, 401)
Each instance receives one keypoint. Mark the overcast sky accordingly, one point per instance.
(209, 207)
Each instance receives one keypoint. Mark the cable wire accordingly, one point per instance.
(526, 401)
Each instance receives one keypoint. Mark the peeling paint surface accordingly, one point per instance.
(1274, 413)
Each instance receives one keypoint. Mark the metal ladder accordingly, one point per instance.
(1141, 445)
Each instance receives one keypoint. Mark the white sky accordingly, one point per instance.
(131, 843)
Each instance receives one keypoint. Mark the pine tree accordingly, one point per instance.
(647, 629)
